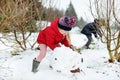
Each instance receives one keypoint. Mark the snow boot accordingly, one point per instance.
(35, 65)
(85, 47)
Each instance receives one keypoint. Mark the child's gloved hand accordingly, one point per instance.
(97, 38)
(73, 48)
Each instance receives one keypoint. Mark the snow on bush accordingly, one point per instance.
(64, 60)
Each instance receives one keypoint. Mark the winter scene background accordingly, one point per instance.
(95, 65)
(16, 62)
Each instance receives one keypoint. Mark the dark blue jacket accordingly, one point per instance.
(90, 28)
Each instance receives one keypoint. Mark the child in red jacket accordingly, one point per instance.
(52, 36)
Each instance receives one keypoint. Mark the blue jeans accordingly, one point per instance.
(89, 37)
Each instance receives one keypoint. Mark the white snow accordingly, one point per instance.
(60, 61)
(95, 64)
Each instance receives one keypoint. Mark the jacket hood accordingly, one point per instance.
(54, 25)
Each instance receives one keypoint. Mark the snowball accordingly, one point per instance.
(65, 59)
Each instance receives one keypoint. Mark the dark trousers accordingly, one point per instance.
(89, 37)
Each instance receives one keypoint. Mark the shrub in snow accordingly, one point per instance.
(64, 59)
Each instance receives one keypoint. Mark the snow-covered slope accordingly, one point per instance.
(94, 66)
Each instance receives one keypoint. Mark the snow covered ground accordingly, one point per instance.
(95, 64)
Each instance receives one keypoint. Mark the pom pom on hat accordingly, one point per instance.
(66, 23)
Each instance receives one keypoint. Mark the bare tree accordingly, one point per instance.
(107, 11)
(19, 16)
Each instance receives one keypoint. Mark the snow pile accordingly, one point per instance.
(64, 59)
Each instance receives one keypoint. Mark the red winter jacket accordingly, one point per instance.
(51, 36)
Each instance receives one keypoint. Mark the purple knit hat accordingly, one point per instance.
(66, 23)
